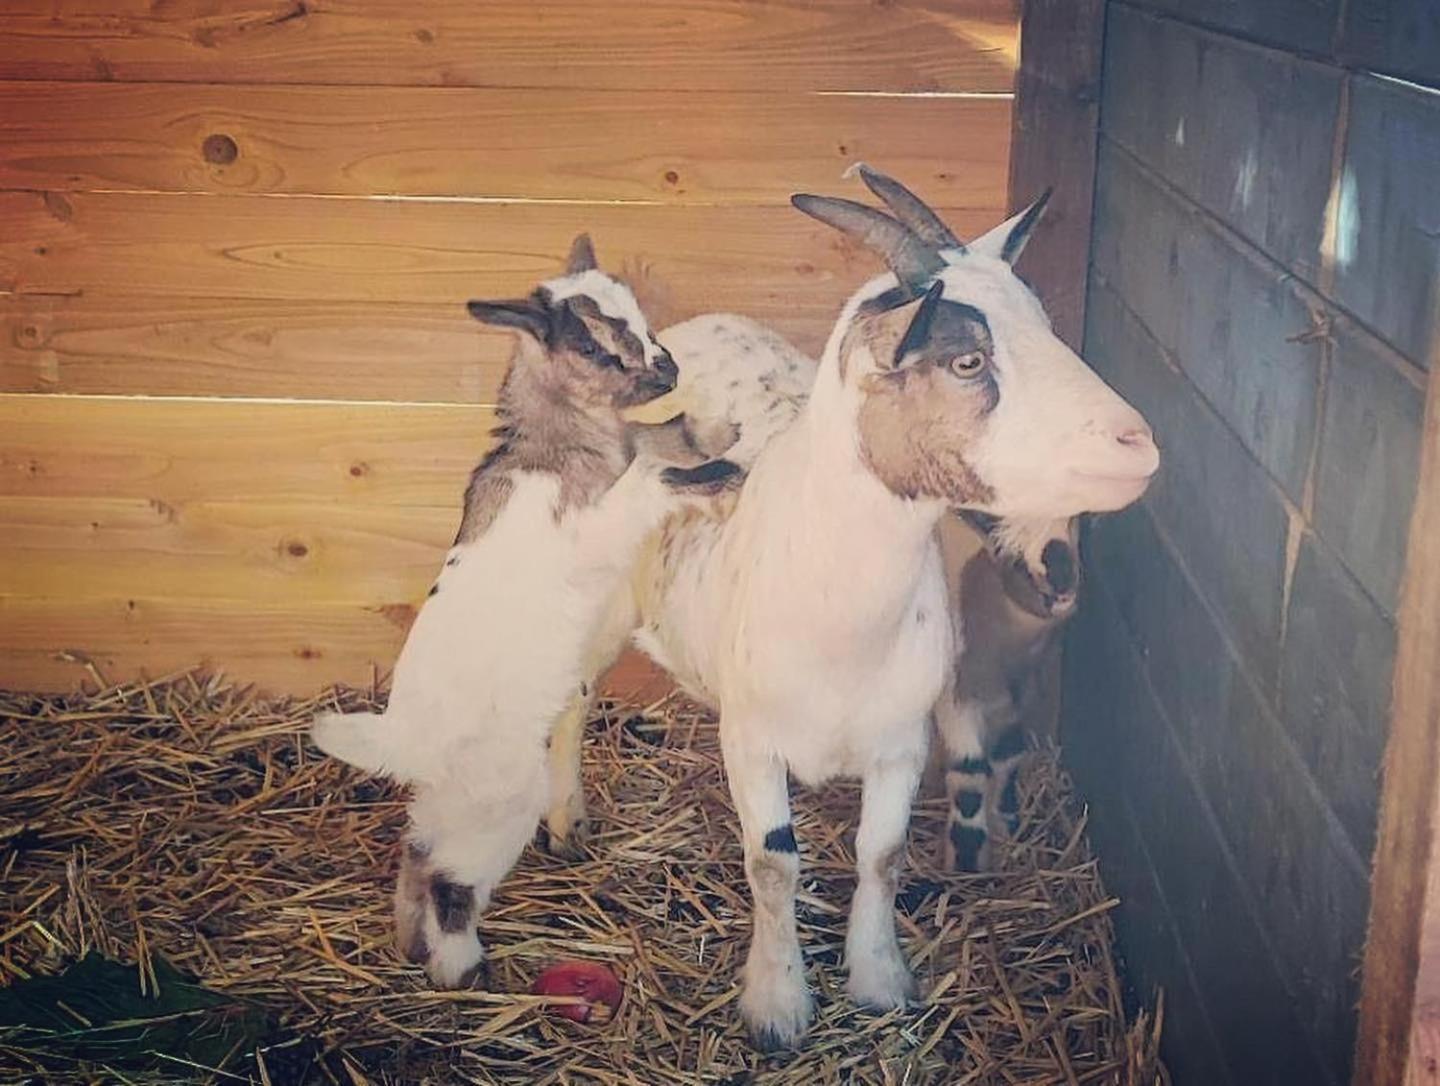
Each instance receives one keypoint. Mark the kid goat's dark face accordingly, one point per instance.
(605, 353)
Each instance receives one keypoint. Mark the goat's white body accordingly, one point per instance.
(813, 617)
(817, 610)
(498, 652)
(805, 605)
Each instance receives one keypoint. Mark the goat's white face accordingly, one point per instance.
(965, 393)
(1059, 441)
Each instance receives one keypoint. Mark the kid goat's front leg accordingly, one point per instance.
(775, 1002)
(969, 783)
(879, 977)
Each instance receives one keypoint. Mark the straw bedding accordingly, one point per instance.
(189, 820)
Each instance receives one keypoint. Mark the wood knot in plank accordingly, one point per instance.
(398, 614)
(220, 149)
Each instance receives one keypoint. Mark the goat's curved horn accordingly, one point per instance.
(912, 211)
(913, 262)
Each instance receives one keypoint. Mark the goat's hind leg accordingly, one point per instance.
(879, 976)
(566, 823)
(1007, 750)
(969, 783)
(775, 1001)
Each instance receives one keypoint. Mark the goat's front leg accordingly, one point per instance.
(775, 1002)
(879, 977)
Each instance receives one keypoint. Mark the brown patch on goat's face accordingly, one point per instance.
(924, 403)
(916, 432)
(454, 904)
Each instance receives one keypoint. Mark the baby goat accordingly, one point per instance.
(812, 613)
(552, 519)
(1010, 591)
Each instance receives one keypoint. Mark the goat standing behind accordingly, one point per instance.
(1009, 593)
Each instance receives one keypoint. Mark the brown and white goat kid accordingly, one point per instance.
(553, 517)
(813, 615)
(1011, 588)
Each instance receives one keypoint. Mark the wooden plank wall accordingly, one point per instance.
(238, 390)
(1265, 263)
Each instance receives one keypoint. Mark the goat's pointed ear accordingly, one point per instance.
(529, 315)
(917, 334)
(1007, 240)
(582, 256)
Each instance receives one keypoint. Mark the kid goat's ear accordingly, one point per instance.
(525, 315)
(582, 256)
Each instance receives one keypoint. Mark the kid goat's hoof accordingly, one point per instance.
(456, 965)
(776, 1019)
(568, 845)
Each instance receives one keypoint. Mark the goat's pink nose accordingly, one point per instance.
(1138, 437)
(1137, 446)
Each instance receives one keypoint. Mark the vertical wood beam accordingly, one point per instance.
(1399, 1032)
(1053, 136)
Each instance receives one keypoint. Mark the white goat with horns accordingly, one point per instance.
(812, 610)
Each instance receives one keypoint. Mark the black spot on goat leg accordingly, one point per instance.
(434, 588)
(781, 839)
(711, 477)
(454, 904)
(968, 802)
(1008, 744)
(968, 841)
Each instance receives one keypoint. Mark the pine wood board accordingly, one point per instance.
(664, 45)
(735, 147)
(173, 451)
(158, 346)
(282, 649)
(260, 552)
(289, 248)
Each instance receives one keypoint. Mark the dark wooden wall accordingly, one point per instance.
(1264, 276)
